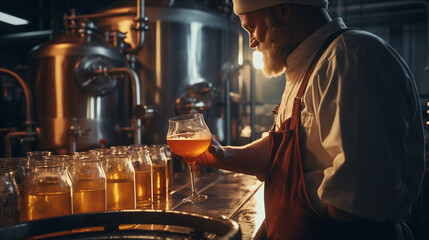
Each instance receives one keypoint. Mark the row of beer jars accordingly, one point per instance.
(117, 178)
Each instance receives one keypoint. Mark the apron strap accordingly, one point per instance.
(297, 100)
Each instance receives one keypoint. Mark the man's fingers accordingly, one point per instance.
(176, 156)
(212, 149)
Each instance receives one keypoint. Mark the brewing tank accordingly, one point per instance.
(186, 48)
(72, 104)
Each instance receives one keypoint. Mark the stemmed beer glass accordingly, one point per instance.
(188, 136)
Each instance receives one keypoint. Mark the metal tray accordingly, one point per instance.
(126, 224)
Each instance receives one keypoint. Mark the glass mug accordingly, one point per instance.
(19, 167)
(159, 171)
(170, 172)
(48, 189)
(169, 162)
(143, 168)
(120, 149)
(120, 178)
(9, 199)
(89, 184)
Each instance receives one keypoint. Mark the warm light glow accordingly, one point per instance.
(259, 208)
(158, 59)
(246, 132)
(257, 60)
(7, 18)
(90, 108)
(240, 50)
(59, 86)
(194, 53)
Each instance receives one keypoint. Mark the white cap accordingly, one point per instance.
(245, 6)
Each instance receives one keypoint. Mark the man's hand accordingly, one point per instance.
(213, 156)
(210, 158)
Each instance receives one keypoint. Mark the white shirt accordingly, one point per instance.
(361, 130)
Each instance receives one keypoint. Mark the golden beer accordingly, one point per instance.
(189, 136)
(159, 180)
(89, 184)
(189, 146)
(85, 201)
(120, 194)
(143, 187)
(169, 176)
(19, 167)
(22, 202)
(120, 178)
(50, 204)
(48, 189)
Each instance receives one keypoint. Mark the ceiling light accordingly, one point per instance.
(7, 18)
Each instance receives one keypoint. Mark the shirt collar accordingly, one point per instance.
(300, 58)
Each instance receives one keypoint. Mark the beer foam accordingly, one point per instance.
(191, 136)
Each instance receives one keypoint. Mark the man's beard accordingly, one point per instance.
(275, 50)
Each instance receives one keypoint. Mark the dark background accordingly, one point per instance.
(404, 24)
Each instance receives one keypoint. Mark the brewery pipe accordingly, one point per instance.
(226, 71)
(140, 27)
(252, 96)
(230, 68)
(140, 20)
(29, 133)
(138, 109)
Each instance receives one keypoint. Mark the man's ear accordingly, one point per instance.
(283, 11)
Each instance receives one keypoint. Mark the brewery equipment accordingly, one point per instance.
(181, 61)
(98, 82)
(82, 90)
(30, 133)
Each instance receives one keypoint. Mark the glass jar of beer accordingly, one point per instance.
(159, 171)
(37, 155)
(9, 198)
(77, 155)
(48, 189)
(89, 184)
(120, 149)
(169, 167)
(18, 165)
(120, 178)
(143, 167)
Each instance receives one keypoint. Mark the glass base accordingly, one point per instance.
(195, 199)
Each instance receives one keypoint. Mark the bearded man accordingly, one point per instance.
(345, 158)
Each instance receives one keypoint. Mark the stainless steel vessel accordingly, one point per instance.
(179, 69)
(180, 65)
(69, 103)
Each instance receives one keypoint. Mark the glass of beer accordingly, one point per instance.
(9, 198)
(188, 136)
(89, 184)
(143, 168)
(120, 149)
(159, 171)
(19, 167)
(37, 155)
(32, 157)
(167, 152)
(120, 178)
(48, 189)
(169, 164)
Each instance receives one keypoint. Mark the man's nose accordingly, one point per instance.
(253, 43)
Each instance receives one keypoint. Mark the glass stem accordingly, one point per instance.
(193, 189)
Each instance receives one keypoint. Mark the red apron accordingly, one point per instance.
(289, 212)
